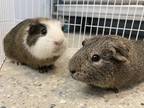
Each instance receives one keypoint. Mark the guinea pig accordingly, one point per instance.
(35, 42)
(109, 62)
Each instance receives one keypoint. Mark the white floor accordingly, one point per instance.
(22, 87)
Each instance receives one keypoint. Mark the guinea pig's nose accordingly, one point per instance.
(58, 43)
(72, 71)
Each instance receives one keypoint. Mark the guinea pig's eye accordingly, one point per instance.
(37, 29)
(44, 30)
(95, 58)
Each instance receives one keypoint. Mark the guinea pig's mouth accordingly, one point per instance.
(57, 50)
(78, 76)
(74, 76)
(83, 77)
(60, 48)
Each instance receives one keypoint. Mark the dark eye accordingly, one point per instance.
(44, 30)
(95, 58)
(37, 29)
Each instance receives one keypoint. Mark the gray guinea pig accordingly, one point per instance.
(109, 62)
(36, 42)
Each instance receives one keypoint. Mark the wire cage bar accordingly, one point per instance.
(87, 18)
(81, 18)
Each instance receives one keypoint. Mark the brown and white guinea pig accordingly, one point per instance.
(109, 62)
(36, 42)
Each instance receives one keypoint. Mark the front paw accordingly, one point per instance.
(115, 90)
(17, 63)
(44, 69)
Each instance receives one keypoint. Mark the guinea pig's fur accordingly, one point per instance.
(36, 42)
(109, 62)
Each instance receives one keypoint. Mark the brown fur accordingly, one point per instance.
(16, 50)
(122, 62)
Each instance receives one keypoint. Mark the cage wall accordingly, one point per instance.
(81, 18)
(86, 18)
(14, 11)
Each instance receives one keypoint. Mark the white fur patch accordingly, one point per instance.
(44, 47)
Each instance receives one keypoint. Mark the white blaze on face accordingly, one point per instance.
(44, 46)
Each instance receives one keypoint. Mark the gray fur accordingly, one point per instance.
(122, 62)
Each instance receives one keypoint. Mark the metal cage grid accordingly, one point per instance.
(80, 18)
(86, 18)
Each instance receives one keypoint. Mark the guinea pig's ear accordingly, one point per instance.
(91, 40)
(121, 52)
(84, 42)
